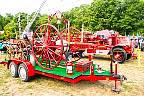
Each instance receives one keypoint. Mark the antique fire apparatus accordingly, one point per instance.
(56, 54)
(104, 42)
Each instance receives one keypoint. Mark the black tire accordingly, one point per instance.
(23, 72)
(129, 56)
(13, 69)
(122, 55)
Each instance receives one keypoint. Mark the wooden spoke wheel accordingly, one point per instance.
(20, 50)
(10, 51)
(47, 46)
(119, 55)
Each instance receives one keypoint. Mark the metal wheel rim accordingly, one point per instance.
(118, 55)
(22, 73)
(13, 70)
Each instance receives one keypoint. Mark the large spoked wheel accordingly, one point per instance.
(23, 72)
(119, 55)
(47, 46)
(13, 69)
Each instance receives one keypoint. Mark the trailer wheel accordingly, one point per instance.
(119, 55)
(13, 69)
(23, 72)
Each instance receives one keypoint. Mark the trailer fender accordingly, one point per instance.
(110, 52)
(31, 71)
(30, 68)
(117, 47)
(17, 62)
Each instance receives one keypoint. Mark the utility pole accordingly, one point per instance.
(82, 33)
(19, 25)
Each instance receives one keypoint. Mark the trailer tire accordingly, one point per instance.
(13, 69)
(122, 55)
(23, 72)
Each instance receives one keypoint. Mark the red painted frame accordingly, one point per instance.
(92, 78)
(32, 72)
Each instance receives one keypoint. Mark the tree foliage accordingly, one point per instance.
(124, 16)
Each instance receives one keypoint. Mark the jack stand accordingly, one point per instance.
(115, 88)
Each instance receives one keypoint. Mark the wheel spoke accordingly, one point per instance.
(42, 57)
(54, 52)
(56, 46)
(38, 46)
(48, 61)
(39, 55)
(52, 56)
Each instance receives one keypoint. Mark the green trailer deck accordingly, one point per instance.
(62, 72)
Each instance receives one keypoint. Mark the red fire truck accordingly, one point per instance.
(104, 42)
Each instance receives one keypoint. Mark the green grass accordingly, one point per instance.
(40, 84)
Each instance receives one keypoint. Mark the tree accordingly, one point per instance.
(124, 16)
(1, 23)
(43, 19)
(10, 30)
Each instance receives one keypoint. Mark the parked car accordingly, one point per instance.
(3, 46)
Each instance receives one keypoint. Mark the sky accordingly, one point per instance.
(29, 6)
